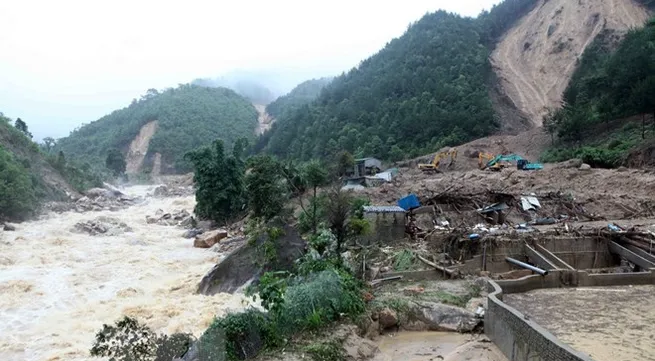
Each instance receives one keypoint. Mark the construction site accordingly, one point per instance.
(573, 238)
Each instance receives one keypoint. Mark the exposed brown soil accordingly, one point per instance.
(535, 60)
(264, 120)
(610, 323)
(139, 148)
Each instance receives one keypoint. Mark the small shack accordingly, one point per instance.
(387, 223)
(367, 166)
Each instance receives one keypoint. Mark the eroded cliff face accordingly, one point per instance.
(139, 148)
(535, 60)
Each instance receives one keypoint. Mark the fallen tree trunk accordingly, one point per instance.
(436, 266)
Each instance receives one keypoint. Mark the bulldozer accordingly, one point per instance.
(436, 161)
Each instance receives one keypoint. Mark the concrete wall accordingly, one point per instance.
(385, 227)
(521, 339)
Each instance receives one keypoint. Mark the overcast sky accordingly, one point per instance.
(68, 62)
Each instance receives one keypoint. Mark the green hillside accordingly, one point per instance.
(302, 94)
(29, 176)
(425, 90)
(188, 117)
(615, 79)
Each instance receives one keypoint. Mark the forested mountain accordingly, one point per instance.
(424, 90)
(612, 81)
(302, 94)
(187, 117)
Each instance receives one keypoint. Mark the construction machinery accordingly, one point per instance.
(503, 160)
(484, 158)
(436, 161)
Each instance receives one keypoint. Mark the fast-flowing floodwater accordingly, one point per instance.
(57, 287)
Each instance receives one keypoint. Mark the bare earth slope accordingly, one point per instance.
(264, 120)
(535, 60)
(139, 148)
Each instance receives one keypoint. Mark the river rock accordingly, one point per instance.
(97, 192)
(388, 318)
(9, 227)
(440, 317)
(161, 191)
(585, 166)
(102, 225)
(206, 240)
(192, 233)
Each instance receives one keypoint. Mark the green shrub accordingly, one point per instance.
(404, 260)
(238, 336)
(320, 298)
(18, 199)
(326, 351)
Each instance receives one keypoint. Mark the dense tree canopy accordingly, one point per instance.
(424, 90)
(188, 117)
(219, 179)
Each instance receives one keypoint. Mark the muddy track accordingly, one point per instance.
(535, 59)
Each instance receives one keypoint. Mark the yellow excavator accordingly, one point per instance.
(436, 162)
(483, 160)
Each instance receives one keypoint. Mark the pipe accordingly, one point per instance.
(526, 266)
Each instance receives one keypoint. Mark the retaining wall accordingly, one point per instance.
(520, 338)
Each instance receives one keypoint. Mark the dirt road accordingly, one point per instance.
(535, 59)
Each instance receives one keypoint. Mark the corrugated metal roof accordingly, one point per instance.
(383, 209)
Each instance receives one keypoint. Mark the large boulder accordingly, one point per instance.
(9, 227)
(102, 226)
(97, 192)
(440, 317)
(243, 264)
(208, 239)
(571, 164)
(192, 233)
(388, 318)
(585, 167)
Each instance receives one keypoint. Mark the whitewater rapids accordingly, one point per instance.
(57, 288)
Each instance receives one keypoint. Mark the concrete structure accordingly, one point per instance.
(367, 166)
(387, 223)
(520, 338)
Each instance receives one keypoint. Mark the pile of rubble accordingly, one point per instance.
(102, 226)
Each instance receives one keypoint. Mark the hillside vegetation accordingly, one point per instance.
(424, 90)
(608, 85)
(187, 117)
(302, 94)
(30, 176)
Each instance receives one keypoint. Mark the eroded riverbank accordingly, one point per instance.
(58, 287)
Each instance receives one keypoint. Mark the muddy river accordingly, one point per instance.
(57, 287)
